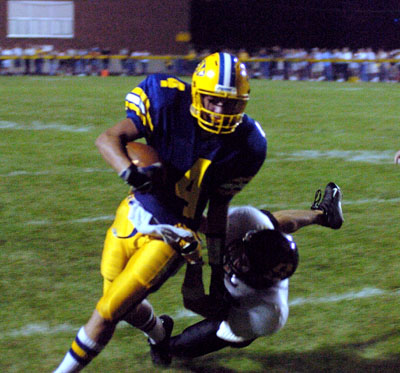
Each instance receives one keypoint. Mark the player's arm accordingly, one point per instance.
(194, 297)
(112, 146)
(217, 217)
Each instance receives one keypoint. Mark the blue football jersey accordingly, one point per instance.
(199, 165)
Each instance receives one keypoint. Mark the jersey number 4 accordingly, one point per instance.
(188, 188)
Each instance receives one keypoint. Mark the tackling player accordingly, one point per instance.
(210, 149)
(260, 258)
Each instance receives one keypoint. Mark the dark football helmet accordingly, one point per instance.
(262, 258)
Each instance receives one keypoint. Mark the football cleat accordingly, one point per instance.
(159, 352)
(331, 205)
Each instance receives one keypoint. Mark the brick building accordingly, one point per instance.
(157, 26)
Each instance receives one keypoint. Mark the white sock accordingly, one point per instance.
(82, 351)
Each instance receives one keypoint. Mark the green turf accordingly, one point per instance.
(345, 294)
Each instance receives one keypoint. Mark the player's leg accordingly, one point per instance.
(136, 265)
(200, 339)
(92, 337)
(143, 318)
(124, 299)
(292, 220)
(153, 263)
(85, 347)
(326, 210)
(131, 268)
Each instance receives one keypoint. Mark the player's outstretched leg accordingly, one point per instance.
(159, 352)
(331, 205)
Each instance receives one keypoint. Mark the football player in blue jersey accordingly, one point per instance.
(210, 149)
(260, 258)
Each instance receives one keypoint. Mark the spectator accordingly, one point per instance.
(124, 53)
(384, 66)
(317, 68)
(17, 52)
(244, 56)
(347, 55)
(6, 63)
(106, 52)
(264, 65)
(328, 71)
(94, 62)
(53, 62)
(363, 65)
(29, 55)
(372, 67)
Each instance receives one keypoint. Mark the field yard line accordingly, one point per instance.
(38, 173)
(365, 156)
(39, 126)
(44, 328)
(82, 220)
(365, 293)
(372, 200)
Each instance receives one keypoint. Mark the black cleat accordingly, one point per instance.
(159, 352)
(331, 205)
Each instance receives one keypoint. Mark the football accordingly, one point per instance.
(142, 155)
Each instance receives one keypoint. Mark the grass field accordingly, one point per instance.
(58, 198)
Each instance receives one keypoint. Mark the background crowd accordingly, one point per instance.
(341, 64)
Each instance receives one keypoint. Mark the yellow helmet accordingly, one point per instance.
(220, 75)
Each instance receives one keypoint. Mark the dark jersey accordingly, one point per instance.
(199, 165)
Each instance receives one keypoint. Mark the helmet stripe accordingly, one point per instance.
(227, 71)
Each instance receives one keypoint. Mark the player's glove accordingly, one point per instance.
(192, 253)
(141, 179)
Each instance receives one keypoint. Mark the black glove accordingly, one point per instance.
(141, 179)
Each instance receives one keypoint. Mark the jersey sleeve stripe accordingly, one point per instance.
(138, 102)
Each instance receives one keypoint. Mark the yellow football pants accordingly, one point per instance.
(132, 267)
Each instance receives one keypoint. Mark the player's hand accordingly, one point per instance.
(154, 173)
(397, 158)
(192, 253)
(142, 179)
